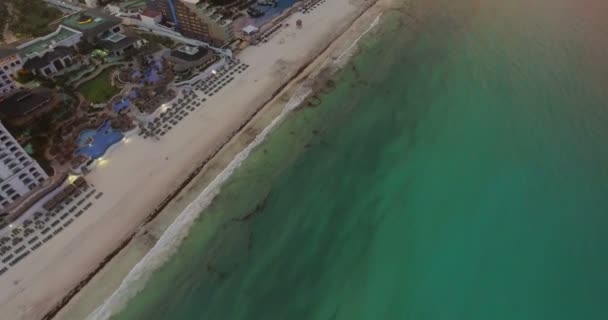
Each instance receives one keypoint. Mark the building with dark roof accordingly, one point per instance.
(186, 57)
(104, 31)
(51, 62)
(118, 43)
(23, 106)
(95, 25)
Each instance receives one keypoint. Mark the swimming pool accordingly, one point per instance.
(94, 143)
(121, 104)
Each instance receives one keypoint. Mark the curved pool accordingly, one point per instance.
(94, 143)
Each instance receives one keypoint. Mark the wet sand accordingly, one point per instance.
(137, 177)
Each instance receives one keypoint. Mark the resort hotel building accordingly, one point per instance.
(195, 19)
(10, 63)
(103, 30)
(186, 57)
(50, 54)
(19, 173)
(54, 53)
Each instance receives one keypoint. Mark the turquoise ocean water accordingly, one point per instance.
(457, 168)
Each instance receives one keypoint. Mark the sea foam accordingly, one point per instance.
(178, 230)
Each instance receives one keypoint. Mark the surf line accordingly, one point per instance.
(356, 41)
(178, 230)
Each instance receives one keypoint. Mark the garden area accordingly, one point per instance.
(100, 88)
(29, 18)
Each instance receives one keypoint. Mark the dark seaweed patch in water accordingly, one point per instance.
(313, 101)
(253, 212)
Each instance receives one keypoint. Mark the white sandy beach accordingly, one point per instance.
(139, 174)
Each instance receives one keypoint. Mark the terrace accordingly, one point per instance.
(40, 46)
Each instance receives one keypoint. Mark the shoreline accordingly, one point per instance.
(172, 196)
(296, 78)
(306, 85)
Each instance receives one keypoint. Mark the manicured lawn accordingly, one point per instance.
(99, 89)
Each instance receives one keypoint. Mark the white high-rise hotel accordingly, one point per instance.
(19, 173)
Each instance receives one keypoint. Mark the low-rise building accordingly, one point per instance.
(150, 17)
(10, 63)
(62, 37)
(51, 63)
(7, 84)
(104, 31)
(10, 60)
(94, 25)
(25, 105)
(118, 43)
(187, 57)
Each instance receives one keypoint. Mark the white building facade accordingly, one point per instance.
(19, 173)
(10, 63)
(7, 84)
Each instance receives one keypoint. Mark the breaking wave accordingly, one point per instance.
(171, 239)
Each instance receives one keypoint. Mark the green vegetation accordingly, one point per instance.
(27, 18)
(24, 76)
(39, 145)
(3, 19)
(100, 88)
(39, 134)
(138, 54)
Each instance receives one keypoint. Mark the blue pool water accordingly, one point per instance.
(136, 74)
(103, 138)
(134, 94)
(152, 76)
(121, 104)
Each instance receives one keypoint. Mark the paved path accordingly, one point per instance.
(97, 72)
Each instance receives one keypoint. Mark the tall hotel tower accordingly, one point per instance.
(19, 173)
(196, 19)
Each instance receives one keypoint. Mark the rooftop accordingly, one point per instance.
(117, 43)
(91, 21)
(7, 52)
(42, 61)
(150, 13)
(43, 43)
(132, 4)
(25, 101)
(188, 53)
